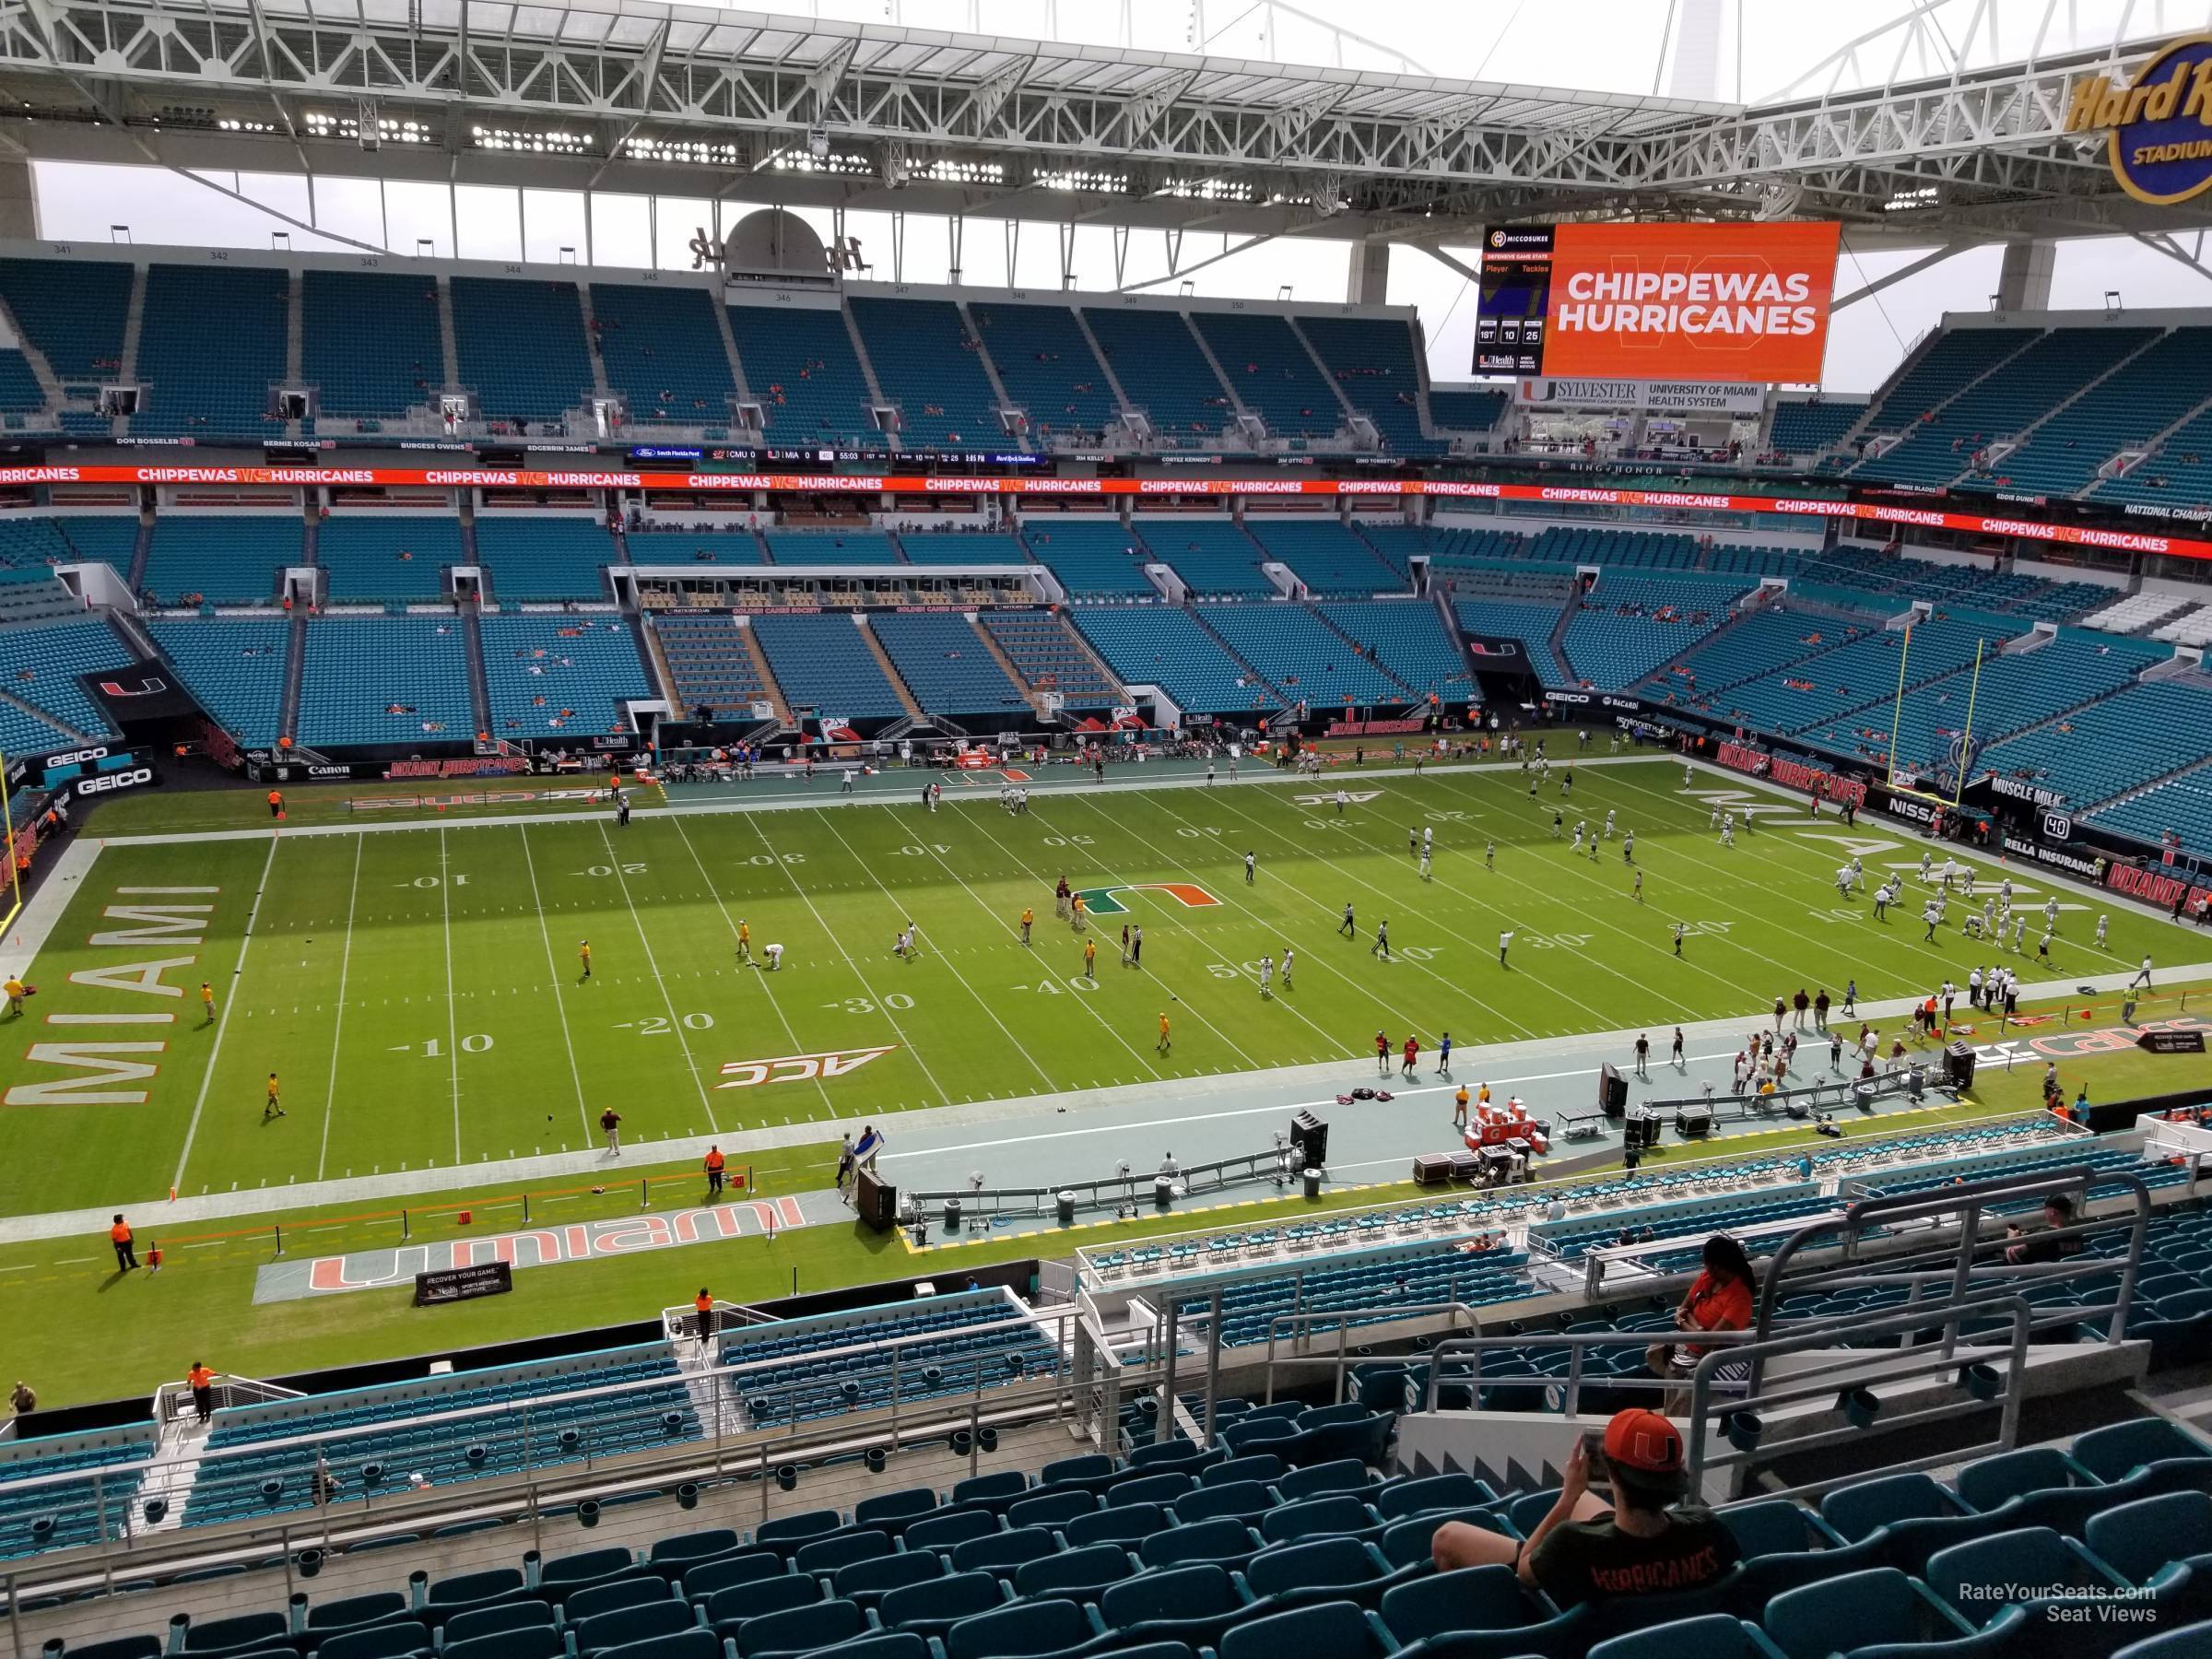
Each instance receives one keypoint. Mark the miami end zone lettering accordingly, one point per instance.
(98, 1071)
(798, 1069)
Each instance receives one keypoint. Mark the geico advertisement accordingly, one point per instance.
(1698, 303)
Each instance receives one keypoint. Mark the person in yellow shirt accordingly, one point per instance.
(1091, 957)
(1482, 1095)
(1459, 1107)
(273, 1107)
(207, 1002)
(1027, 916)
(1163, 1031)
(745, 940)
(584, 954)
(16, 994)
(1080, 910)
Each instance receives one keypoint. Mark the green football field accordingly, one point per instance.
(419, 992)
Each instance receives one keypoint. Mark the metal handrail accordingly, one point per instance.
(1455, 1309)
(1970, 1203)
(523, 1497)
(1533, 1193)
(1912, 1363)
(726, 1380)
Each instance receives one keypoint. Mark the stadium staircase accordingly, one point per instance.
(768, 675)
(1245, 418)
(2200, 770)
(1319, 615)
(2128, 461)
(295, 673)
(449, 343)
(891, 671)
(41, 366)
(1006, 666)
(590, 339)
(479, 683)
(133, 326)
(295, 336)
(990, 369)
(867, 375)
(654, 658)
(1557, 645)
(1354, 419)
(1719, 636)
(2026, 435)
(1121, 396)
(134, 635)
(142, 548)
(729, 350)
(1908, 422)
(1238, 658)
(45, 718)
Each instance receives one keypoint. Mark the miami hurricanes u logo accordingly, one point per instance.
(1100, 900)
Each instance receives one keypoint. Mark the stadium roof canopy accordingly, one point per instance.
(624, 95)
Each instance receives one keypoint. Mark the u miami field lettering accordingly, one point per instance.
(1105, 901)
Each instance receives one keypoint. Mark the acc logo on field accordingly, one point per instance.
(798, 1069)
(2161, 126)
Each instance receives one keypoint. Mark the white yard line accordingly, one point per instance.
(675, 1020)
(1328, 1042)
(43, 909)
(222, 1023)
(1459, 987)
(338, 1028)
(1014, 930)
(583, 1111)
(891, 1020)
(452, 1001)
(715, 893)
(1597, 963)
(982, 1001)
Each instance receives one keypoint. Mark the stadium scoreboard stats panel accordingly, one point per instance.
(1515, 301)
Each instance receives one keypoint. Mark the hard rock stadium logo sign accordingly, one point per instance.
(2160, 125)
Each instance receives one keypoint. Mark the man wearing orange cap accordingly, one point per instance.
(1588, 1551)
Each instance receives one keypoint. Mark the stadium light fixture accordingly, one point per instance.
(2111, 303)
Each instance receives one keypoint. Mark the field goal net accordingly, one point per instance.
(1933, 741)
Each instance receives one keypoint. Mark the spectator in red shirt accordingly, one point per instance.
(1719, 1298)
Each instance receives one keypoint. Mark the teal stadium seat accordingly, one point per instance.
(373, 372)
(540, 384)
(551, 674)
(1048, 368)
(1158, 364)
(235, 666)
(930, 366)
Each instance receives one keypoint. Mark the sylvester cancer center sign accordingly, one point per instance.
(2158, 125)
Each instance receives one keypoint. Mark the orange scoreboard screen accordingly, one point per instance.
(1688, 302)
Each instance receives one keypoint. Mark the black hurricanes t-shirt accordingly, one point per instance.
(1582, 1561)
